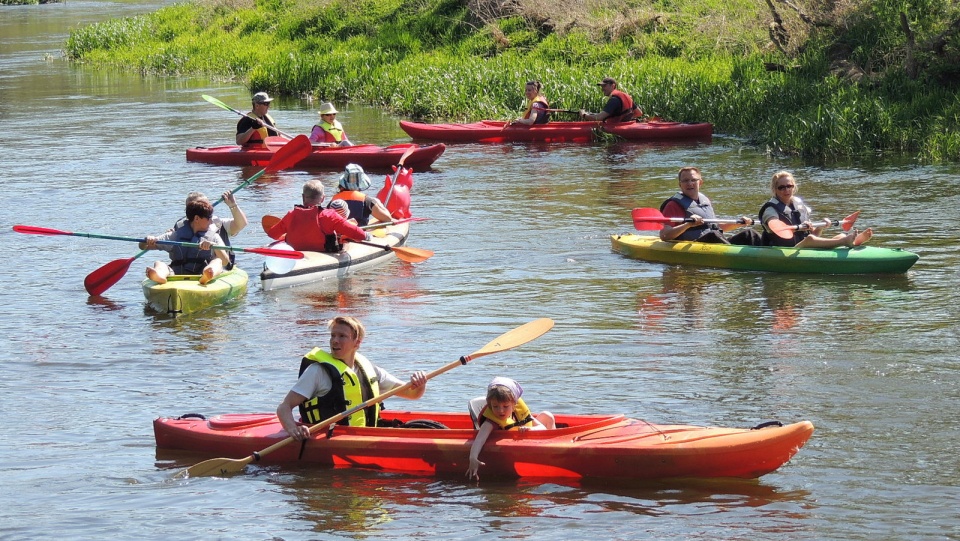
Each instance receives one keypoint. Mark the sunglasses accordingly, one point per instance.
(785, 186)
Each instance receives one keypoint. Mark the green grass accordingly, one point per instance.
(685, 60)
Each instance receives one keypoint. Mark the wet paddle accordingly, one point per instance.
(785, 230)
(34, 230)
(509, 340)
(651, 219)
(222, 105)
(102, 279)
(396, 175)
(404, 253)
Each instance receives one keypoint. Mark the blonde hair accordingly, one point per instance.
(777, 177)
(358, 329)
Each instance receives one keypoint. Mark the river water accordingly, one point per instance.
(520, 232)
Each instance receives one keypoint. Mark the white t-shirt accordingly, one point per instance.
(315, 381)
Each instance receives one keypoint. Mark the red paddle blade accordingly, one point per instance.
(103, 278)
(648, 219)
(291, 153)
(847, 223)
(781, 229)
(34, 230)
(267, 222)
(287, 254)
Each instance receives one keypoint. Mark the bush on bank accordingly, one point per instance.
(849, 85)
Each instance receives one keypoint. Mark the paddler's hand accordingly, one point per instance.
(418, 379)
(473, 472)
(151, 243)
(205, 245)
(746, 220)
(300, 433)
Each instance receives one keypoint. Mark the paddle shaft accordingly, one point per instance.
(509, 340)
(396, 175)
(222, 105)
(34, 230)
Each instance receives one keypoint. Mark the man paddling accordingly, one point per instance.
(619, 106)
(330, 382)
(690, 203)
(312, 228)
(189, 260)
(254, 128)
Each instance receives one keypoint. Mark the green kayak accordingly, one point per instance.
(183, 294)
(859, 260)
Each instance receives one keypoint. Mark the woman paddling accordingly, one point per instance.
(791, 210)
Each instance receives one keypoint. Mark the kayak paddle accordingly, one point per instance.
(650, 219)
(509, 340)
(404, 253)
(785, 230)
(102, 279)
(222, 105)
(34, 230)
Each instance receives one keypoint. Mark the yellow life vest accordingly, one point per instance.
(351, 388)
(335, 130)
(521, 416)
(538, 99)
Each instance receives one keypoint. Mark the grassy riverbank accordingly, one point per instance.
(849, 85)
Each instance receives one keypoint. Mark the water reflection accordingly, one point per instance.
(364, 503)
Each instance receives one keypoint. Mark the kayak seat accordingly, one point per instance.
(475, 406)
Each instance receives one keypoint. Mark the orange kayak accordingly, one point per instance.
(584, 447)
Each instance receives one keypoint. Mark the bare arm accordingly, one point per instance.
(473, 472)
(285, 415)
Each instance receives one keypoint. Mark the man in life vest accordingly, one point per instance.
(254, 128)
(352, 183)
(619, 106)
(329, 130)
(225, 228)
(188, 259)
(339, 380)
(690, 203)
(310, 227)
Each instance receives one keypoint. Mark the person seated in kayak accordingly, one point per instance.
(254, 128)
(690, 203)
(330, 381)
(189, 260)
(537, 105)
(619, 106)
(791, 210)
(310, 227)
(505, 410)
(329, 130)
(225, 228)
(352, 183)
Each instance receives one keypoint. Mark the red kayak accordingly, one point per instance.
(371, 157)
(491, 131)
(431, 443)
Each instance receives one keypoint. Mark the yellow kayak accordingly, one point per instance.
(184, 294)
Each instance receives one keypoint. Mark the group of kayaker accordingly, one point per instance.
(254, 128)
(201, 227)
(332, 381)
(784, 205)
(619, 107)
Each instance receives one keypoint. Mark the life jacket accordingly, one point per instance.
(521, 416)
(628, 111)
(189, 259)
(259, 135)
(302, 231)
(351, 387)
(794, 214)
(357, 203)
(221, 232)
(691, 208)
(543, 118)
(334, 131)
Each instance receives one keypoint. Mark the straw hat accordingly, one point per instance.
(327, 108)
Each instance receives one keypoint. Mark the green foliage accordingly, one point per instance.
(684, 60)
